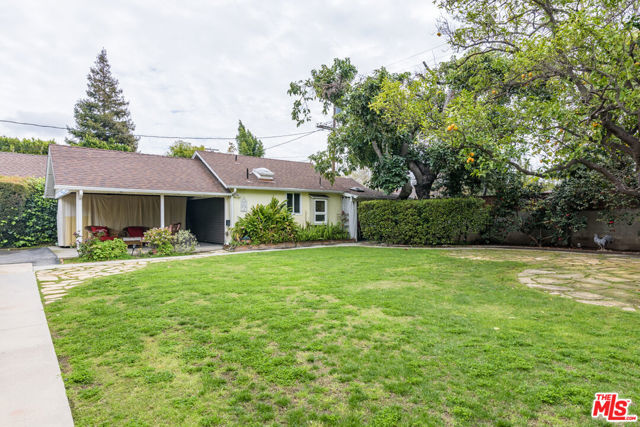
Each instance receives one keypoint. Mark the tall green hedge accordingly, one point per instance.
(26, 146)
(26, 217)
(422, 222)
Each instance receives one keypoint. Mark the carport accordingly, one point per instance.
(117, 190)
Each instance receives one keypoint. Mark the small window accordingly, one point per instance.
(293, 203)
(320, 211)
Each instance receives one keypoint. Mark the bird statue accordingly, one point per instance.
(603, 241)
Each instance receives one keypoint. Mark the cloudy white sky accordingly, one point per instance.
(194, 68)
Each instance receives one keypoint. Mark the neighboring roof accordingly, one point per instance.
(79, 167)
(235, 171)
(25, 165)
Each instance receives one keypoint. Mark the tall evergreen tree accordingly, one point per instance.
(248, 144)
(103, 119)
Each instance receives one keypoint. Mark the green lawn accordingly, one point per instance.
(338, 336)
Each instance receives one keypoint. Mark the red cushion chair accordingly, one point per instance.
(102, 230)
(136, 231)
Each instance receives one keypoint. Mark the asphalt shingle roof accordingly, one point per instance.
(90, 167)
(236, 171)
(25, 165)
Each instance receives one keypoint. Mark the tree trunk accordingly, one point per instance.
(425, 178)
(406, 190)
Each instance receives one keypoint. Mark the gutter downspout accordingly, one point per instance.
(231, 218)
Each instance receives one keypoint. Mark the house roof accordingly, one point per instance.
(82, 168)
(235, 171)
(25, 165)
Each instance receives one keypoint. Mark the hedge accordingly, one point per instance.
(422, 222)
(26, 217)
(25, 146)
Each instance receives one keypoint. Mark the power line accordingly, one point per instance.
(159, 136)
(294, 139)
(415, 54)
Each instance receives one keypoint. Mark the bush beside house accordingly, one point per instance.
(422, 222)
(96, 250)
(273, 224)
(26, 217)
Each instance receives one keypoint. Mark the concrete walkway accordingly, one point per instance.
(31, 388)
(37, 256)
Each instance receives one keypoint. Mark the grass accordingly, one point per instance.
(337, 336)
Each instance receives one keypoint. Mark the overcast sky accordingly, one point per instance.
(193, 68)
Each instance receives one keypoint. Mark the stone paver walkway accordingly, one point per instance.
(55, 283)
(599, 279)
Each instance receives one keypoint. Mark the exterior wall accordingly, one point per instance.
(625, 237)
(263, 197)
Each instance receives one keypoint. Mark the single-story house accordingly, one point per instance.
(206, 194)
(23, 165)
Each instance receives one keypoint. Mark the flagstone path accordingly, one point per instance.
(598, 279)
(55, 283)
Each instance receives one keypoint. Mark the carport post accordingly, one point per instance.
(161, 210)
(78, 217)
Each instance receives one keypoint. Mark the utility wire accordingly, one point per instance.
(415, 54)
(294, 139)
(160, 136)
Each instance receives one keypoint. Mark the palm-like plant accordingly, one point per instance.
(270, 223)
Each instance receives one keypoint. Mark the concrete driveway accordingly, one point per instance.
(38, 256)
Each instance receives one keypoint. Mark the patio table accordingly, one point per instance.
(133, 242)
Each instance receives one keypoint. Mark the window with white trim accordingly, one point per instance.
(293, 203)
(320, 211)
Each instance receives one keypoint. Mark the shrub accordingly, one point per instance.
(26, 217)
(93, 249)
(271, 223)
(184, 242)
(160, 240)
(422, 222)
(26, 146)
(322, 232)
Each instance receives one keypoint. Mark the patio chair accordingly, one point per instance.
(101, 232)
(174, 228)
(135, 231)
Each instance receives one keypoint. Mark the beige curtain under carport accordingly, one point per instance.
(117, 212)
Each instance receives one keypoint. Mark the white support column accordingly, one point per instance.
(78, 217)
(161, 210)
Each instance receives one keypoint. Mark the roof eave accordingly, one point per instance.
(306, 190)
(139, 191)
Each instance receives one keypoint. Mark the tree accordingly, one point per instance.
(367, 136)
(247, 143)
(24, 145)
(573, 85)
(184, 149)
(103, 119)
